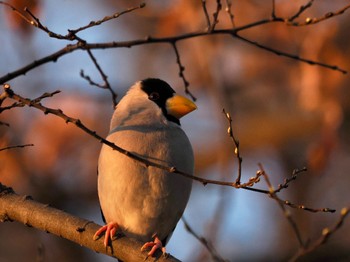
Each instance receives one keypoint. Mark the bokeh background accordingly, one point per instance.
(286, 114)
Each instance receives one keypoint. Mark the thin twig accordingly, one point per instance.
(285, 211)
(4, 124)
(36, 22)
(236, 143)
(228, 10)
(216, 15)
(106, 18)
(181, 72)
(294, 176)
(13, 105)
(88, 78)
(273, 11)
(106, 84)
(35, 100)
(311, 21)
(209, 246)
(303, 207)
(326, 234)
(295, 57)
(71, 35)
(301, 10)
(206, 14)
(17, 12)
(16, 146)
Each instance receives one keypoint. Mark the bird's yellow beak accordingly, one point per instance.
(178, 106)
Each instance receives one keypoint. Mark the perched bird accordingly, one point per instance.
(146, 202)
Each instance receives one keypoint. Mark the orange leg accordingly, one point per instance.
(156, 244)
(110, 228)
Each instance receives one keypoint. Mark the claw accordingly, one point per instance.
(156, 244)
(110, 229)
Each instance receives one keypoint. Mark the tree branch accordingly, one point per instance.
(16, 146)
(171, 169)
(207, 244)
(83, 45)
(295, 57)
(106, 84)
(181, 72)
(23, 209)
(325, 235)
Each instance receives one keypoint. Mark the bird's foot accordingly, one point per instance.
(156, 244)
(110, 229)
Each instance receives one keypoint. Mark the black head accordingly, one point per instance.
(159, 91)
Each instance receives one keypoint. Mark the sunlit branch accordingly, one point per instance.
(26, 211)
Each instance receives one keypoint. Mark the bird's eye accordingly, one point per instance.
(154, 96)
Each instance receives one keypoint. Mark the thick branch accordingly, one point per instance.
(34, 214)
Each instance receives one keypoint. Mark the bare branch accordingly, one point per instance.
(59, 113)
(286, 182)
(35, 100)
(106, 84)
(301, 10)
(82, 45)
(209, 246)
(36, 22)
(13, 105)
(295, 57)
(311, 21)
(71, 32)
(206, 14)
(106, 18)
(16, 146)
(273, 12)
(229, 12)
(23, 209)
(4, 124)
(303, 207)
(236, 143)
(285, 211)
(216, 15)
(326, 234)
(17, 12)
(181, 72)
(146, 162)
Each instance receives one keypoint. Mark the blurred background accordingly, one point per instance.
(286, 114)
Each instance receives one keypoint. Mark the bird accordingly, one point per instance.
(142, 201)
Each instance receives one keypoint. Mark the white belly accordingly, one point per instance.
(145, 200)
